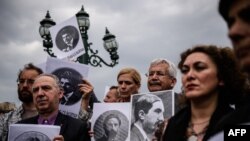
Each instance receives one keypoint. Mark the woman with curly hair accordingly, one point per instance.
(211, 81)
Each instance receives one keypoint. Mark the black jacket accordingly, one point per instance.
(177, 125)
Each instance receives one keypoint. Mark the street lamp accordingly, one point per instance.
(45, 34)
(89, 57)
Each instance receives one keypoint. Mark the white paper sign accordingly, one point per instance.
(70, 75)
(30, 132)
(67, 41)
(111, 119)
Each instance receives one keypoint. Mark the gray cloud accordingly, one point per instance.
(144, 29)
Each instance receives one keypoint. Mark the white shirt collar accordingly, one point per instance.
(145, 137)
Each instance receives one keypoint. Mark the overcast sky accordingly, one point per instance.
(144, 29)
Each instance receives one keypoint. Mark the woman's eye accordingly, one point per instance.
(184, 69)
(200, 67)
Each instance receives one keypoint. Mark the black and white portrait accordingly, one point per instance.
(32, 136)
(32, 132)
(70, 74)
(148, 113)
(67, 38)
(111, 125)
(111, 121)
(69, 78)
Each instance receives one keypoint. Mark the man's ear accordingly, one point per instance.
(141, 114)
(173, 82)
(60, 94)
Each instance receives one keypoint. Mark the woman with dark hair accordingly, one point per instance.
(211, 81)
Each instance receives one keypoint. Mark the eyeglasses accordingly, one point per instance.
(157, 73)
(28, 81)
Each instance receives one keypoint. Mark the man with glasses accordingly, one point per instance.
(25, 80)
(162, 76)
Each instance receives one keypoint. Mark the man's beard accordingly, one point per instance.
(25, 96)
(112, 132)
(150, 128)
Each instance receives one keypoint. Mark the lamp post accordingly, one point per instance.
(90, 56)
(45, 34)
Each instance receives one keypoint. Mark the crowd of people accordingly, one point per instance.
(215, 92)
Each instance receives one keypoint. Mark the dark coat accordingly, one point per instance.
(71, 129)
(93, 99)
(177, 125)
(239, 116)
(73, 99)
(178, 105)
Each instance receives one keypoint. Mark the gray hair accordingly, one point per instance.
(172, 70)
(58, 83)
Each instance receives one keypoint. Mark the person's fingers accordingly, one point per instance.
(85, 81)
(85, 89)
(58, 138)
(91, 133)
